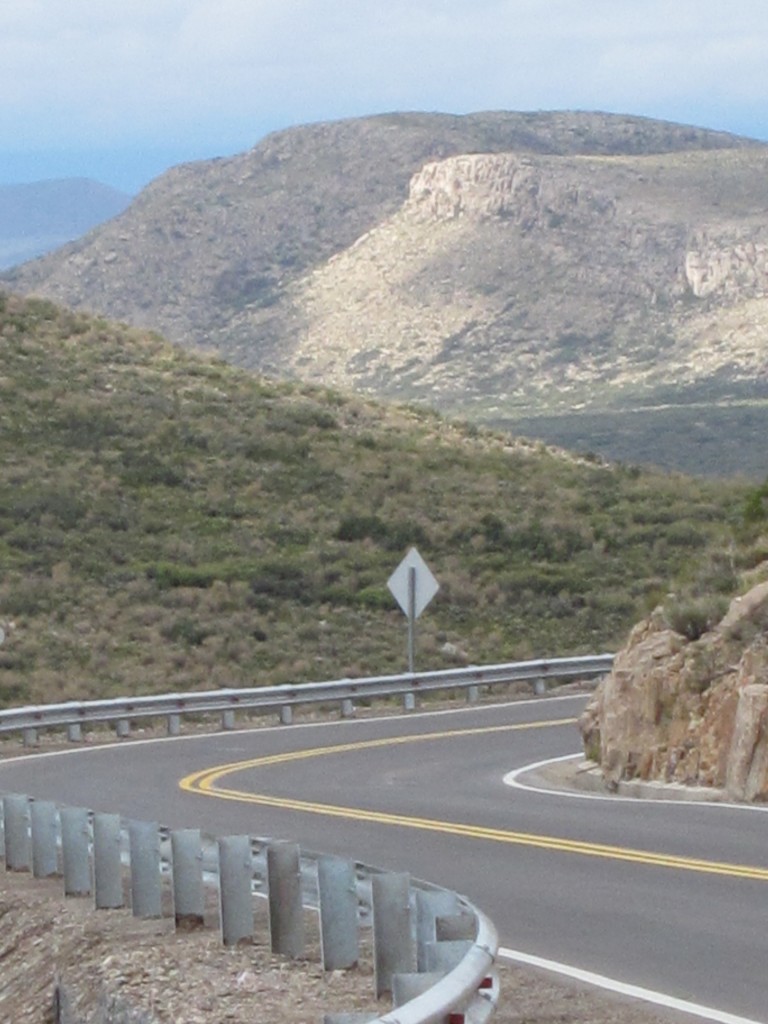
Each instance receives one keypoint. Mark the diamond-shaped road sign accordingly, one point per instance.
(425, 584)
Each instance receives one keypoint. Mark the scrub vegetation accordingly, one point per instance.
(169, 522)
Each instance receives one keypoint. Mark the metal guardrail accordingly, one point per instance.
(460, 988)
(227, 701)
(432, 976)
(468, 990)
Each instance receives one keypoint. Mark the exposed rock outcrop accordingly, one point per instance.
(688, 711)
(504, 185)
(733, 270)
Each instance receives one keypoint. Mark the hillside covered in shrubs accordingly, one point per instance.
(168, 522)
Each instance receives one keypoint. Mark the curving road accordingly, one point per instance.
(667, 896)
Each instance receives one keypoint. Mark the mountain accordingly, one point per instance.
(169, 522)
(38, 217)
(593, 279)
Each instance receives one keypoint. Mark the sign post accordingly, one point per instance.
(413, 586)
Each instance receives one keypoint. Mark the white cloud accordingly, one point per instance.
(87, 71)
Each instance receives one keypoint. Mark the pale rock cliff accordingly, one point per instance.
(691, 712)
(736, 270)
(534, 194)
(482, 185)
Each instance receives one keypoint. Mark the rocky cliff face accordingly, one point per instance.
(735, 269)
(482, 185)
(528, 280)
(539, 195)
(688, 711)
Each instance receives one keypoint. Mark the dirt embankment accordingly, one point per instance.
(113, 969)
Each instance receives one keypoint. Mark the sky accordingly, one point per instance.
(121, 90)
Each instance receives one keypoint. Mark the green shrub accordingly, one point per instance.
(495, 532)
(13, 694)
(283, 580)
(185, 630)
(693, 618)
(393, 536)
(403, 534)
(30, 596)
(685, 535)
(356, 527)
(42, 309)
(375, 598)
(296, 419)
(755, 507)
(169, 574)
(538, 543)
(717, 575)
(146, 469)
(752, 555)
(59, 504)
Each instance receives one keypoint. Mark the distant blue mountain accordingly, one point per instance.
(40, 216)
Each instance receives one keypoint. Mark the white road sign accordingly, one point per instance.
(425, 588)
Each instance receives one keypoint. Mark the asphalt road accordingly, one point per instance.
(668, 896)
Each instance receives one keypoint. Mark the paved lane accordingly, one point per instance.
(660, 895)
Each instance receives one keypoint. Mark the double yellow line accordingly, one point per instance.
(207, 783)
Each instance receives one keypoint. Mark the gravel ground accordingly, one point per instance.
(108, 958)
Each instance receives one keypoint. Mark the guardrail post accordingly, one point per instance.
(123, 728)
(347, 707)
(444, 956)
(392, 938)
(431, 904)
(339, 940)
(146, 893)
(74, 732)
(473, 694)
(407, 986)
(174, 725)
(107, 867)
(286, 715)
(228, 720)
(45, 861)
(29, 736)
(75, 844)
(18, 846)
(455, 926)
(235, 899)
(286, 913)
(539, 686)
(409, 701)
(188, 891)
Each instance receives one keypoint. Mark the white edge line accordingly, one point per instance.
(123, 744)
(624, 989)
(513, 779)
